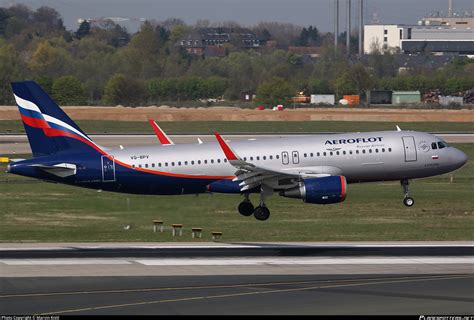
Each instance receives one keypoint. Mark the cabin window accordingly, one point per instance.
(376, 150)
(277, 156)
(218, 160)
(179, 163)
(258, 158)
(152, 165)
(146, 165)
(251, 158)
(311, 154)
(172, 164)
(305, 155)
(337, 152)
(199, 161)
(363, 150)
(370, 150)
(225, 160)
(318, 154)
(343, 152)
(264, 158)
(350, 151)
(271, 157)
(205, 161)
(133, 166)
(389, 149)
(383, 149)
(330, 153)
(357, 151)
(245, 158)
(212, 160)
(185, 163)
(324, 153)
(192, 162)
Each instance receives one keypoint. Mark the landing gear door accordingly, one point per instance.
(409, 148)
(108, 169)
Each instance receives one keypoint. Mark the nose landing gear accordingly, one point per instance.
(407, 200)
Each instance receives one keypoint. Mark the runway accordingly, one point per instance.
(242, 278)
(11, 144)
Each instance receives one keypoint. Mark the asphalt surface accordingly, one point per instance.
(230, 250)
(238, 279)
(241, 295)
(10, 144)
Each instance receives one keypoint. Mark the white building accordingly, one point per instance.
(410, 37)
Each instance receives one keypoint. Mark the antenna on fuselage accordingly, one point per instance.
(398, 128)
(199, 140)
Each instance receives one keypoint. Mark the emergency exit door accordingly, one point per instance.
(108, 169)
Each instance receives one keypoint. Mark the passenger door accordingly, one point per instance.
(409, 148)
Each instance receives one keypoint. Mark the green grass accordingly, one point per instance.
(203, 127)
(31, 210)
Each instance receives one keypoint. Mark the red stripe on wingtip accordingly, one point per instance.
(227, 151)
(159, 133)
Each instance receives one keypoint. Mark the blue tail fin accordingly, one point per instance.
(50, 131)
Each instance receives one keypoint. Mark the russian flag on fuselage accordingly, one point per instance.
(49, 129)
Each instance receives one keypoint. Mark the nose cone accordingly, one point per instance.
(459, 158)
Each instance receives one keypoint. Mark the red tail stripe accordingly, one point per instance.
(34, 122)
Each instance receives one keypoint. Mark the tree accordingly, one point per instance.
(68, 90)
(48, 60)
(275, 91)
(83, 30)
(9, 71)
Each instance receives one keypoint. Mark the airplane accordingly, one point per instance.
(314, 168)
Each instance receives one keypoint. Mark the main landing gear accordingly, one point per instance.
(261, 212)
(407, 200)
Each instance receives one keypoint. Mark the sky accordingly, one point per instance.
(319, 13)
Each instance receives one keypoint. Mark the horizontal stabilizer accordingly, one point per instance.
(61, 170)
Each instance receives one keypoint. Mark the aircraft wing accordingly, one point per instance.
(252, 176)
(160, 134)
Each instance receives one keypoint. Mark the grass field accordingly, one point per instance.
(205, 127)
(38, 211)
(31, 210)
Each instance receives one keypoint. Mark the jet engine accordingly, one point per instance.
(324, 190)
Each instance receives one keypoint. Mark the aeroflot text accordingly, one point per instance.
(356, 140)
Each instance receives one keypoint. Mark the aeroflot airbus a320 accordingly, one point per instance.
(314, 168)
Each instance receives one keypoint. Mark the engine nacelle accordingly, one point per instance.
(324, 190)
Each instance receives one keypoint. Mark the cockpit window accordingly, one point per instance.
(442, 144)
(434, 146)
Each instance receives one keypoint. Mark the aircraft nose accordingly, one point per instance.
(459, 158)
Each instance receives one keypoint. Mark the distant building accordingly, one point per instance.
(199, 39)
(419, 38)
(451, 22)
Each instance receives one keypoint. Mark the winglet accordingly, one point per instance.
(162, 137)
(230, 155)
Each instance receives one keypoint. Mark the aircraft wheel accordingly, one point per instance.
(261, 213)
(408, 201)
(246, 208)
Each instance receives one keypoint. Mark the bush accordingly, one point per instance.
(275, 91)
(125, 91)
(68, 90)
